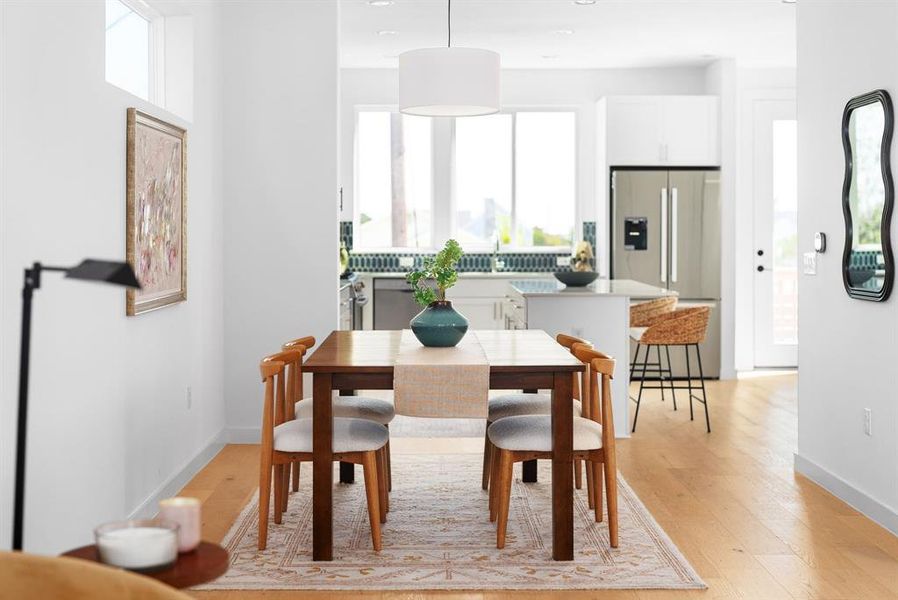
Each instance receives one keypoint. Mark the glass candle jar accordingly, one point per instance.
(186, 513)
(138, 545)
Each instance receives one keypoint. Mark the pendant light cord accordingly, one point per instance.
(449, 24)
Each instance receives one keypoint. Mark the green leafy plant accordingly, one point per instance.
(440, 270)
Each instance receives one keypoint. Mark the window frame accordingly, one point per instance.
(443, 209)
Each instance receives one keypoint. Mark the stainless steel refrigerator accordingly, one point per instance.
(665, 231)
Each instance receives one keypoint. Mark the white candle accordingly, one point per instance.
(138, 547)
(186, 513)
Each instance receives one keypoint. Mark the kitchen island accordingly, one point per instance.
(599, 313)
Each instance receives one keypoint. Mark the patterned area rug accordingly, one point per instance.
(439, 537)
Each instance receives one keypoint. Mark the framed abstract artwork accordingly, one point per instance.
(156, 212)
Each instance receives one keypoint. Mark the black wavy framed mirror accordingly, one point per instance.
(868, 268)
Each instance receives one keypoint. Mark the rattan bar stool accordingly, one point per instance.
(642, 315)
(686, 327)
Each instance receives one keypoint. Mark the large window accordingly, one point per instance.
(512, 177)
(394, 190)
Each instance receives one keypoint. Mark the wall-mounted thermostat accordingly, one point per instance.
(820, 242)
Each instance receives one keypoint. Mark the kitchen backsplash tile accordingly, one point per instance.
(472, 262)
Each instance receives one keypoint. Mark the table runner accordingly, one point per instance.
(441, 382)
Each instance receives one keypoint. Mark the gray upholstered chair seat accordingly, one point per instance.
(533, 433)
(514, 405)
(636, 333)
(353, 407)
(350, 435)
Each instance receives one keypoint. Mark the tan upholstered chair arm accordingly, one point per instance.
(32, 577)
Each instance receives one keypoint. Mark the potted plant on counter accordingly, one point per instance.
(438, 325)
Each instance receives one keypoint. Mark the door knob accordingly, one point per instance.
(760, 268)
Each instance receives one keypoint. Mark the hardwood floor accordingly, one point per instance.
(730, 500)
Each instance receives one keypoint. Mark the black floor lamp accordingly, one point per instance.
(117, 273)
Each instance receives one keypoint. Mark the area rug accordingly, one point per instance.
(439, 537)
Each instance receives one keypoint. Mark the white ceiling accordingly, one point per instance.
(607, 34)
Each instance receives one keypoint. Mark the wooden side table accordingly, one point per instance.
(208, 562)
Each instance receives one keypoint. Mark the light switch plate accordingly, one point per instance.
(810, 263)
(562, 261)
(406, 261)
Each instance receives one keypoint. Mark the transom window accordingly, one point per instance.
(512, 177)
(133, 42)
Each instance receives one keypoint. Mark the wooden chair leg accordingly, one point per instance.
(278, 493)
(578, 474)
(264, 498)
(296, 476)
(285, 490)
(369, 465)
(597, 472)
(383, 497)
(503, 495)
(487, 449)
(495, 453)
(611, 492)
(590, 485)
(389, 460)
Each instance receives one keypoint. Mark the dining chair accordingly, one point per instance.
(686, 327)
(356, 407)
(510, 405)
(288, 441)
(529, 437)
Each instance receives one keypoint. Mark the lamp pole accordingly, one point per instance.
(32, 282)
(93, 270)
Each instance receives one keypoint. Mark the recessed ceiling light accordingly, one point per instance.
(380, 2)
(584, 2)
(550, 56)
(563, 32)
(386, 32)
(788, 1)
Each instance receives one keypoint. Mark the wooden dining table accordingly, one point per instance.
(365, 360)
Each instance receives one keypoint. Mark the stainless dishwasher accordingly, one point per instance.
(394, 304)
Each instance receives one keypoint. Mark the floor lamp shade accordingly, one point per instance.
(449, 82)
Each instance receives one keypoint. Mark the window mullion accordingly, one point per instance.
(514, 183)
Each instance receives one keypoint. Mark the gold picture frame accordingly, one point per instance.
(156, 195)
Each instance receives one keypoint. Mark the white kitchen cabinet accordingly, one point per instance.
(650, 131)
(482, 313)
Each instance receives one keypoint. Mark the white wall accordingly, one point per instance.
(578, 89)
(281, 100)
(848, 349)
(109, 422)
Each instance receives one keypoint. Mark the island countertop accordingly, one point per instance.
(600, 287)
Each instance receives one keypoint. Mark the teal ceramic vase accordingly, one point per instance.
(439, 325)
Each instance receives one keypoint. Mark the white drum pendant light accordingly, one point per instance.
(449, 82)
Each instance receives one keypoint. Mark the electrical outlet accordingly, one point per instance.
(562, 261)
(868, 421)
(406, 261)
(810, 263)
(189, 397)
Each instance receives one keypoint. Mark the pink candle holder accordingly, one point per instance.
(186, 513)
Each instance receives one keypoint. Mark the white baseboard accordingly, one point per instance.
(243, 435)
(149, 507)
(870, 507)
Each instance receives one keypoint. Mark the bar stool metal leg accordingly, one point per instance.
(701, 375)
(645, 365)
(689, 383)
(661, 377)
(634, 361)
(670, 379)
